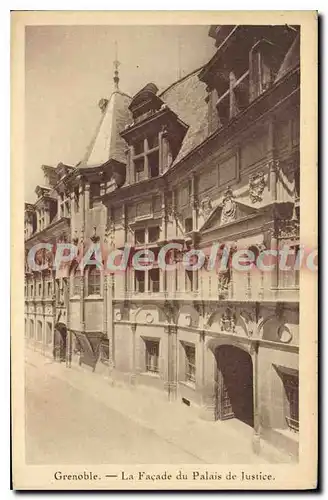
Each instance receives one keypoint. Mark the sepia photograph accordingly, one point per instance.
(164, 254)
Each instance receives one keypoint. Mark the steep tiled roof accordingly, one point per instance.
(186, 98)
(107, 142)
(291, 60)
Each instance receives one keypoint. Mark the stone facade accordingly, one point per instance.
(214, 159)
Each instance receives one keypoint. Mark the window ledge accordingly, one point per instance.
(151, 374)
(191, 385)
(93, 297)
(75, 297)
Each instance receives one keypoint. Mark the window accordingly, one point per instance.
(139, 147)
(152, 355)
(139, 236)
(49, 288)
(188, 225)
(48, 333)
(94, 193)
(189, 281)
(140, 281)
(153, 163)
(58, 291)
(61, 205)
(264, 63)
(77, 282)
(290, 278)
(39, 331)
(93, 281)
(153, 280)
(153, 234)
(153, 141)
(32, 290)
(76, 199)
(190, 363)
(139, 170)
(31, 329)
(291, 409)
(39, 289)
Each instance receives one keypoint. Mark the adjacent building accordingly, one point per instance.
(212, 160)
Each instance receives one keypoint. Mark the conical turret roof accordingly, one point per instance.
(107, 143)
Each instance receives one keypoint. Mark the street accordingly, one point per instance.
(64, 425)
(75, 416)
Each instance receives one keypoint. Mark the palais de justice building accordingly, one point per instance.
(213, 158)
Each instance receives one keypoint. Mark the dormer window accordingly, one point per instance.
(188, 225)
(94, 194)
(139, 169)
(153, 164)
(264, 61)
(154, 136)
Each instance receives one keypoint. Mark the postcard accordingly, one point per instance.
(164, 250)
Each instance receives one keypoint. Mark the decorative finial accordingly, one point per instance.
(116, 65)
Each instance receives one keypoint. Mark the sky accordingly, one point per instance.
(68, 69)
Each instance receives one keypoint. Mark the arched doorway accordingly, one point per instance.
(60, 338)
(235, 384)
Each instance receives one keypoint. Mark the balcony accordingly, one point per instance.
(241, 287)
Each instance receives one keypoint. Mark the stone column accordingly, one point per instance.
(146, 165)
(274, 261)
(174, 213)
(128, 155)
(257, 421)
(86, 198)
(273, 172)
(172, 381)
(81, 202)
(72, 201)
(194, 202)
(110, 323)
(53, 303)
(200, 373)
(105, 319)
(47, 216)
(68, 326)
(82, 311)
(133, 368)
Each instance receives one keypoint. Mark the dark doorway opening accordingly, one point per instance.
(235, 384)
(60, 339)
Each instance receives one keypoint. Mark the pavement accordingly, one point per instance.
(76, 416)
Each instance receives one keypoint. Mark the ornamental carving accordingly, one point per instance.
(284, 334)
(288, 229)
(229, 209)
(256, 185)
(224, 280)
(228, 321)
(149, 318)
(206, 207)
(250, 321)
(118, 316)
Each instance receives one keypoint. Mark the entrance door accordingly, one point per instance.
(60, 338)
(235, 387)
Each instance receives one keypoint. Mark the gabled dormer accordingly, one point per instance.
(154, 137)
(45, 207)
(29, 220)
(244, 66)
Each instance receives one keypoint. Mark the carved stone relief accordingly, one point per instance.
(229, 209)
(256, 185)
(228, 321)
